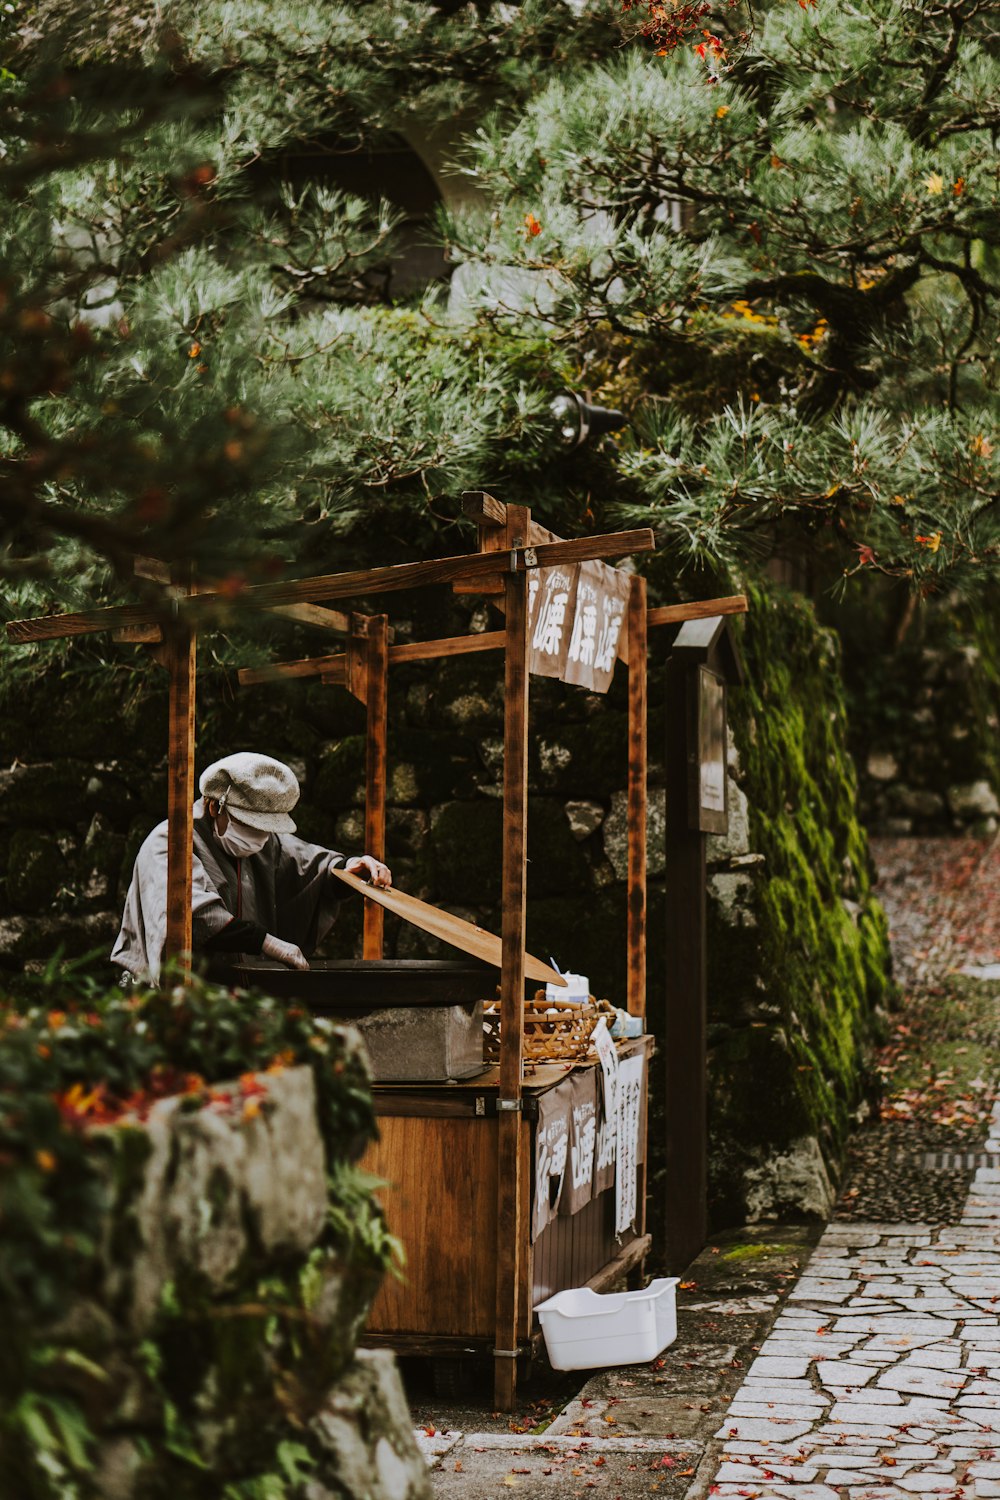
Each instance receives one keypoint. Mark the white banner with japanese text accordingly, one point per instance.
(576, 623)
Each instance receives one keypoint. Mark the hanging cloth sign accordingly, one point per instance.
(578, 1188)
(606, 1150)
(551, 1151)
(551, 606)
(630, 1073)
(598, 621)
(576, 618)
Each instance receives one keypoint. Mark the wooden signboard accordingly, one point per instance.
(708, 744)
(475, 941)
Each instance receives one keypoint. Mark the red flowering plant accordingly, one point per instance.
(670, 24)
(84, 1058)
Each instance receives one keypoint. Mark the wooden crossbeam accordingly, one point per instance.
(696, 609)
(341, 585)
(313, 614)
(156, 571)
(333, 666)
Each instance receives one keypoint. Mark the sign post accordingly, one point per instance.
(703, 660)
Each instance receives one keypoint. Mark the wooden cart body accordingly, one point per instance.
(438, 1153)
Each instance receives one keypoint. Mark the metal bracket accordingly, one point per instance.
(480, 1105)
(506, 1353)
(517, 542)
(514, 1105)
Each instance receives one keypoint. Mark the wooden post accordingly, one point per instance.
(180, 652)
(515, 807)
(376, 697)
(637, 799)
(685, 1195)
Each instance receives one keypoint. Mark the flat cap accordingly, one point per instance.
(253, 789)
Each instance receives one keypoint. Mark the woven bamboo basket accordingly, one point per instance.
(554, 1030)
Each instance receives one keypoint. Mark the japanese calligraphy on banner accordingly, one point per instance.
(579, 1186)
(629, 1122)
(606, 1150)
(551, 1149)
(576, 618)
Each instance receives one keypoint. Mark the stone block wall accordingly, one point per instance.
(925, 726)
(928, 768)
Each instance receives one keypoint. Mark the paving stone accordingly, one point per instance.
(921, 1382)
(770, 1428)
(844, 1373)
(876, 1492)
(435, 1447)
(785, 1411)
(906, 1326)
(935, 1357)
(767, 1367)
(928, 1484)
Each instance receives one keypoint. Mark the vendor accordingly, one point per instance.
(256, 888)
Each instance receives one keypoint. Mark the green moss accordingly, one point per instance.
(795, 1004)
(757, 1251)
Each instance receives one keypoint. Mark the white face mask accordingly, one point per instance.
(241, 841)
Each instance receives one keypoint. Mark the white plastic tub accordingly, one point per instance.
(584, 1330)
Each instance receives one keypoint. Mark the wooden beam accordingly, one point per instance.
(491, 516)
(341, 585)
(637, 803)
(138, 635)
(482, 508)
(356, 659)
(333, 666)
(314, 614)
(697, 609)
(513, 917)
(454, 645)
(682, 1203)
(376, 697)
(152, 569)
(308, 666)
(180, 650)
(473, 940)
(307, 614)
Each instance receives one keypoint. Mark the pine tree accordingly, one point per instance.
(776, 249)
(785, 263)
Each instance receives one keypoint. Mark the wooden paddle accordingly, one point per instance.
(475, 941)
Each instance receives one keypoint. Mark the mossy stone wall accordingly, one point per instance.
(798, 949)
(798, 952)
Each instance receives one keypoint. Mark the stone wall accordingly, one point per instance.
(797, 953)
(925, 726)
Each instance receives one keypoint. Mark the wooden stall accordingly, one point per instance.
(460, 1156)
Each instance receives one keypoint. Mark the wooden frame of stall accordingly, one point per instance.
(510, 545)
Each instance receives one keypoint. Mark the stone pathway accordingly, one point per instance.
(881, 1376)
(874, 1374)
